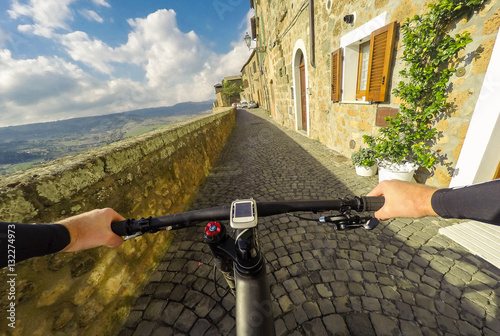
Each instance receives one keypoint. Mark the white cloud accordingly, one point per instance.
(47, 15)
(91, 15)
(4, 37)
(44, 89)
(101, 3)
(93, 53)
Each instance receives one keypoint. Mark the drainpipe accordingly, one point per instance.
(311, 32)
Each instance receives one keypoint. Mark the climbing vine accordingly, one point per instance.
(430, 54)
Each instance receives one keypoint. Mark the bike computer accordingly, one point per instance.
(243, 214)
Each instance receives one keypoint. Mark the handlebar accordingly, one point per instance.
(171, 222)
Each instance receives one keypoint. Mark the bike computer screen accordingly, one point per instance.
(243, 214)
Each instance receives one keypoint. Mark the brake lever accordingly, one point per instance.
(345, 221)
(371, 223)
(133, 236)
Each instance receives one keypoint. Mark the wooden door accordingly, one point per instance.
(303, 93)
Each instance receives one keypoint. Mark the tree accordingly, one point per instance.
(231, 89)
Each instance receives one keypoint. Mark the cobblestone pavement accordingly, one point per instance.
(402, 278)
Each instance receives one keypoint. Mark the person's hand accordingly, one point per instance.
(92, 229)
(404, 199)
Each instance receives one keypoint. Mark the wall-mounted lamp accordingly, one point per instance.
(248, 42)
(349, 19)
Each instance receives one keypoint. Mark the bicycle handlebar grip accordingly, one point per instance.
(372, 203)
(120, 228)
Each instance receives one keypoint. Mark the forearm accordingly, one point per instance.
(30, 240)
(479, 202)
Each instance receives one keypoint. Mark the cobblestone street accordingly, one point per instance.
(402, 278)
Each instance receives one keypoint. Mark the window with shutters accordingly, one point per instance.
(368, 58)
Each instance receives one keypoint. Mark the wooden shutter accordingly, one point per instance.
(253, 24)
(497, 173)
(336, 74)
(381, 51)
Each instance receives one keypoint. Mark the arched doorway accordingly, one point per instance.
(272, 107)
(303, 96)
(300, 83)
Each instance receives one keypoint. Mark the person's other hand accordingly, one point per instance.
(404, 199)
(92, 229)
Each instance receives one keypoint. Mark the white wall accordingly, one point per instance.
(480, 153)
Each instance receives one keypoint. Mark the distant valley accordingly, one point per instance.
(27, 145)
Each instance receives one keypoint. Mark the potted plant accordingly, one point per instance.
(364, 161)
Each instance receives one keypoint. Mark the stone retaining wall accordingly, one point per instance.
(90, 292)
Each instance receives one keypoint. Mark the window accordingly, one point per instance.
(370, 58)
(364, 58)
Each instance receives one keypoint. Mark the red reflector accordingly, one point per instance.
(212, 229)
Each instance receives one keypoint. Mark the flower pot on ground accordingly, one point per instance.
(394, 171)
(364, 161)
(366, 171)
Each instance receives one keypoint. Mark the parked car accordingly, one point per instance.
(235, 104)
(252, 104)
(243, 104)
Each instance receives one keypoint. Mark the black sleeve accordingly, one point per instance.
(479, 202)
(22, 241)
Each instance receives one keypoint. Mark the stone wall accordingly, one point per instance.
(91, 292)
(285, 25)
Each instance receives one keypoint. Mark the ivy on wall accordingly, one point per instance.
(429, 52)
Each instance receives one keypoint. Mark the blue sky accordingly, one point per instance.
(62, 59)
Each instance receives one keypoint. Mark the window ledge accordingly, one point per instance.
(361, 102)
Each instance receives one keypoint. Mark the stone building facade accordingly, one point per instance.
(296, 44)
(254, 79)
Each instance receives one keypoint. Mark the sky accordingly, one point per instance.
(62, 59)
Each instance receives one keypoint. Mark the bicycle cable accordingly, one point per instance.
(216, 287)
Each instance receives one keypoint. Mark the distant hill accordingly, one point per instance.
(85, 124)
(25, 145)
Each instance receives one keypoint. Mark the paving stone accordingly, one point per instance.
(335, 325)
(323, 290)
(297, 297)
(373, 290)
(300, 315)
(359, 324)
(145, 328)
(285, 303)
(384, 325)
(200, 327)
(314, 327)
(133, 319)
(311, 309)
(171, 312)
(226, 325)
(447, 310)
(425, 317)
(154, 310)
(389, 308)
(280, 327)
(410, 328)
(204, 307)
